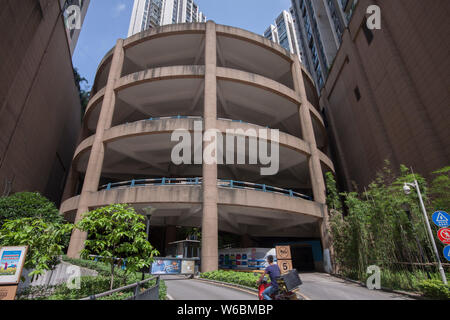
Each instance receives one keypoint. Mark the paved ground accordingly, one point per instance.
(321, 286)
(180, 288)
(316, 286)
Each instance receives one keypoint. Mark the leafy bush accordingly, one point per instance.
(28, 205)
(45, 241)
(247, 279)
(435, 289)
(117, 231)
(126, 278)
(383, 226)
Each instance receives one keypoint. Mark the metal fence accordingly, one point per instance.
(148, 294)
(233, 184)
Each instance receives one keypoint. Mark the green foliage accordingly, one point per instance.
(247, 279)
(435, 289)
(440, 189)
(92, 285)
(333, 201)
(45, 241)
(383, 227)
(28, 205)
(84, 95)
(117, 232)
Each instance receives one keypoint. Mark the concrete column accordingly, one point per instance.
(315, 169)
(94, 168)
(210, 254)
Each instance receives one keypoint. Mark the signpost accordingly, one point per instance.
(12, 260)
(441, 219)
(444, 235)
(284, 258)
(447, 253)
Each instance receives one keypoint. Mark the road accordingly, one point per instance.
(316, 286)
(180, 288)
(321, 286)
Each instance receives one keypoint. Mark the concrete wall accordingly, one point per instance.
(403, 113)
(39, 104)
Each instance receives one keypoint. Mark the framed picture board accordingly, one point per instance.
(12, 260)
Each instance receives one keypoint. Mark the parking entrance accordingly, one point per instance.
(302, 257)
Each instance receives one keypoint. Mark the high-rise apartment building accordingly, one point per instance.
(320, 25)
(153, 13)
(283, 33)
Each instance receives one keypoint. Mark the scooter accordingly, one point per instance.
(282, 294)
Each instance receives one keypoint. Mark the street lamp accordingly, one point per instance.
(407, 190)
(148, 214)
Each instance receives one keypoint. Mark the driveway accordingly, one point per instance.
(321, 286)
(180, 288)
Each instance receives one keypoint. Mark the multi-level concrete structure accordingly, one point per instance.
(39, 103)
(320, 25)
(387, 94)
(283, 33)
(227, 78)
(74, 33)
(153, 13)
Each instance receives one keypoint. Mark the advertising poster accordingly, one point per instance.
(166, 267)
(188, 267)
(11, 263)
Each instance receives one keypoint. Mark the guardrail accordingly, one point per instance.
(232, 184)
(149, 294)
(173, 117)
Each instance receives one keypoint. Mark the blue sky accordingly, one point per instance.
(108, 20)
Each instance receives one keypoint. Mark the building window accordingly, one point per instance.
(357, 94)
(368, 33)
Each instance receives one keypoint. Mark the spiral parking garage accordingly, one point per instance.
(168, 78)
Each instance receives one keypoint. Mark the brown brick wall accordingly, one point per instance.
(39, 106)
(403, 78)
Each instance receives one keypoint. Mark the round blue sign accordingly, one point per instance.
(441, 219)
(447, 253)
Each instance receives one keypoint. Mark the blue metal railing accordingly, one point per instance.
(232, 184)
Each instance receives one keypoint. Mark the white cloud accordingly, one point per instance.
(120, 7)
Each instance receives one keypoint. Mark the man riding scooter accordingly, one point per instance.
(274, 272)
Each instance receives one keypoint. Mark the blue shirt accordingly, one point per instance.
(274, 272)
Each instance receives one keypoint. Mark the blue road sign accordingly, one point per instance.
(441, 219)
(447, 253)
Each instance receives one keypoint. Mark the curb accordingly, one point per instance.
(169, 297)
(404, 293)
(230, 285)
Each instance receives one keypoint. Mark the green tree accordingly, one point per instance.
(383, 226)
(333, 200)
(84, 94)
(28, 205)
(117, 234)
(45, 241)
(440, 189)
